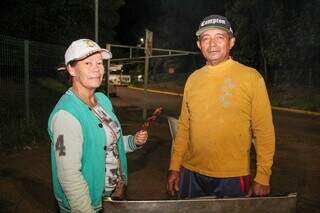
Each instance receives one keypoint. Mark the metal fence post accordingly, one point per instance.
(107, 73)
(27, 80)
(145, 97)
(148, 53)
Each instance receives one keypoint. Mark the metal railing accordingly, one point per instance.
(22, 61)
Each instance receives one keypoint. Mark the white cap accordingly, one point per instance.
(82, 48)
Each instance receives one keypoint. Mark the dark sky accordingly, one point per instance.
(134, 16)
(173, 22)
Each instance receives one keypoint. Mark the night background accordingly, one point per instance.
(279, 38)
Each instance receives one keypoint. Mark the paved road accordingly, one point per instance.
(134, 97)
(296, 162)
(287, 123)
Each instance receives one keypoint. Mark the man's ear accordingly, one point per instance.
(71, 70)
(232, 42)
(198, 44)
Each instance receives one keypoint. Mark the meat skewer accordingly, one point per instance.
(156, 113)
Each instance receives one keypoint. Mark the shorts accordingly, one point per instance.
(193, 185)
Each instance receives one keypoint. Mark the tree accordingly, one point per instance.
(23, 19)
(307, 42)
(175, 28)
(109, 19)
(248, 20)
(269, 37)
(58, 21)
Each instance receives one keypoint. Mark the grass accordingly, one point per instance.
(16, 133)
(52, 84)
(297, 98)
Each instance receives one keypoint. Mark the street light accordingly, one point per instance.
(140, 42)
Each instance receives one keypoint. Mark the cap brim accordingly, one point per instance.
(106, 54)
(202, 30)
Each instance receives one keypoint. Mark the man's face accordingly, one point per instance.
(215, 45)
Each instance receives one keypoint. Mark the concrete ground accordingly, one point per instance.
(25, 184)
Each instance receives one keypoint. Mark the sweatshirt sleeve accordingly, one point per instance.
(68, 140)
(263, 130)
(129, 145)
(181, 140)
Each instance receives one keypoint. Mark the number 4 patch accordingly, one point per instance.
(60, 146)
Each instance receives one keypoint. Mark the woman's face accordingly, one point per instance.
(88, 73)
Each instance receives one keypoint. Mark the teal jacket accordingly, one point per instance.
(93, 153)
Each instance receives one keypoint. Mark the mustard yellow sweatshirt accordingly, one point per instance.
(223, 107)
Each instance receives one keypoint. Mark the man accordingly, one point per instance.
(225, 105)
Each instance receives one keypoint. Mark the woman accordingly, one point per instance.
(87, 145)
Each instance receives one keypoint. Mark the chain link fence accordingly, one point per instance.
(25, 97)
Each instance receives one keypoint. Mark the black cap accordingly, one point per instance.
(214, 21)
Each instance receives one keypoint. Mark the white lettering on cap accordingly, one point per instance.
(213, 21)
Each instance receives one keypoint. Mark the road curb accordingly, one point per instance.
(296, 111)
(157, 91)
(273, 107)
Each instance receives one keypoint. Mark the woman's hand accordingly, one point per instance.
(141, 137)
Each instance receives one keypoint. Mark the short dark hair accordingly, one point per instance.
(73, 63)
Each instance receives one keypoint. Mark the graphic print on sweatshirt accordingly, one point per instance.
(227, 92)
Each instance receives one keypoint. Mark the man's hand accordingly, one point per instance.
(173, 182)
(258, 189)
